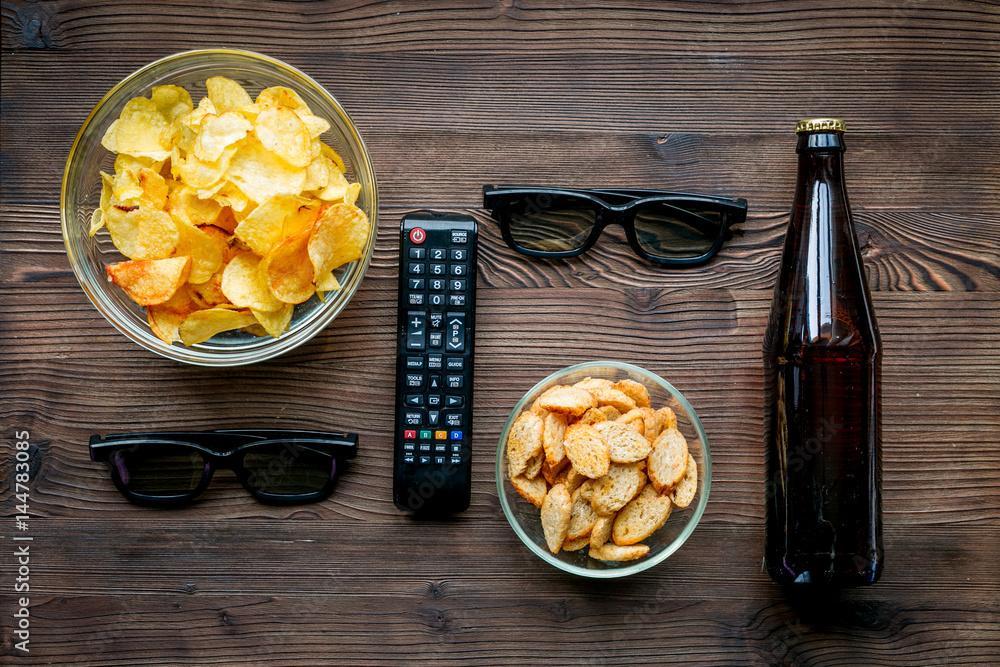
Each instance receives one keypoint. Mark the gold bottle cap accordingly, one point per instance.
(820, 125)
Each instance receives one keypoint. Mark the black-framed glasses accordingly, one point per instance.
(275, 466)
(668, 228)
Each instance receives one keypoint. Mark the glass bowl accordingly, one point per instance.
(81, 192)
(524, 517)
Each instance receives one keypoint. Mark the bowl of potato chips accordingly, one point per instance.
(603, 469)
(219, 207)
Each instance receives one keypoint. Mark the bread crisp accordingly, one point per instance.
(592, 416)
(624, 444)
(582, 518)
(634, 420)
(686, 489)
(534, 465)
(601, 532)
(587, 450)
(612, 492)
(532, 490)
(667, 462)
(552, 438)
(615, 552)
(556, 510)
(552, 473)
(612, 413)
(592, 383)
(669, 418)
(634, 390)
(641, 517)
(568, 400)
(611, 396)
(604, 468)
(523, 443)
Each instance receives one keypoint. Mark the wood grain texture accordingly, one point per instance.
(695, 96)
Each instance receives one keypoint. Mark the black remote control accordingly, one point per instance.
(432, 462)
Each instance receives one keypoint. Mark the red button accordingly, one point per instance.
(418, 235)
(409, 435)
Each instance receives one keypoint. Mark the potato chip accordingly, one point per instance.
(317, 174)
(165, 319)
(338, 237)
(255, 329)
(150, 281)
(301, 220)
(231, 196)
(203, 175)
(205, 253)
(314, 125)
(288, 271)
(351, 194)
(260, 174)
(222, 240)
(281, 96)
(142, 186)
(283, 133)
(140, 131)
(209, 293)
(336, 184)
(172, 101)
(245, 192)
(226, 220)
(185, 205)
(326, 151)
(226, 94)
(141, 233)
(245, 286)
(262, 229)
(219, 133)
(96, 221)
(201, 325)
(275, 323)
(326, 283)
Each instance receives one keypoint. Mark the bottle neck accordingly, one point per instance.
(821, 165)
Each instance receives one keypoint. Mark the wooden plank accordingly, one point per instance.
(582, 92)
(168, 592)
(855, 27)
(903, 250)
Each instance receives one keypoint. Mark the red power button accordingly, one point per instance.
(418, 235)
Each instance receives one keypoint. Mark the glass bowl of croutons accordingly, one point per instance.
(603, 469)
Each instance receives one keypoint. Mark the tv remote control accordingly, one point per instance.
(432, 461)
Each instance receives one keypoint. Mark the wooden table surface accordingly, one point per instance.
(685, 96)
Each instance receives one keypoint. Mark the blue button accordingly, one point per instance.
(456, 435)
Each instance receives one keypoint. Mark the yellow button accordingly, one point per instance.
(440, 435)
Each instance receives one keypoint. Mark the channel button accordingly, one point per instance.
(456, 332)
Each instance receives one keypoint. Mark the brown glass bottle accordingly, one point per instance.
(822, 385)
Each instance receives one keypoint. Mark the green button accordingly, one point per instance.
(426, 435)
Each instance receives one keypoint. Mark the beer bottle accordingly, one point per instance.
(822, 384)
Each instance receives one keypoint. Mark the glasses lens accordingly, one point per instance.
(550, 223)
(675, 230)
(288, 469)
(160, 470)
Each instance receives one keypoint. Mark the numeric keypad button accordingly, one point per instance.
(459, 270)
